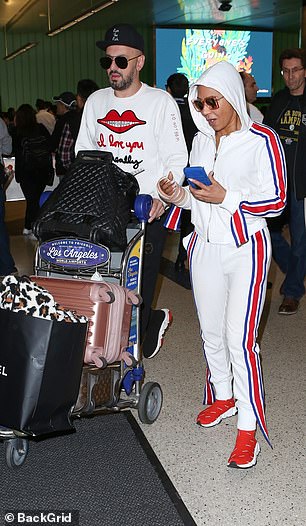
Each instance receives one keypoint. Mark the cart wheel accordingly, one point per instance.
(16, 451)
(150, 402)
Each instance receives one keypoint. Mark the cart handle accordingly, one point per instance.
(142, 206)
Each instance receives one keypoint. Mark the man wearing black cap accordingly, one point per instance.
(65, 132)
(142, 128)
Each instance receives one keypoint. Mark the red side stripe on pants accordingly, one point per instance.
(251, 349)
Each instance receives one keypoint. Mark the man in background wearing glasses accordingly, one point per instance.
(287, 115)
(141, 127)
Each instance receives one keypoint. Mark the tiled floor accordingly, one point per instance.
(273, 492)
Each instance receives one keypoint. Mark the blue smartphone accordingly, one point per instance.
(198, 173)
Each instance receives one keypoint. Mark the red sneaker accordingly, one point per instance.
(245, 452)
(212, 415)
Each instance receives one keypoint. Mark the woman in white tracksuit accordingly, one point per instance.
(229, 251)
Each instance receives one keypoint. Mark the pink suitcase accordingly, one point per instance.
(108, 307)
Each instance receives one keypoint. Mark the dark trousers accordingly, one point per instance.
(32, 191)
(186, 228)
(154, 243)
(7, 264)
(291, 257)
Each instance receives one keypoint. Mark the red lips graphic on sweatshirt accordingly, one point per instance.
(120, 123)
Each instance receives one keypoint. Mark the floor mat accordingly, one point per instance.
(106, 473)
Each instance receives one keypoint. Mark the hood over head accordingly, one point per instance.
(224, 78)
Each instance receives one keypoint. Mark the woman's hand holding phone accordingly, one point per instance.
(208, 190)
(196, 173)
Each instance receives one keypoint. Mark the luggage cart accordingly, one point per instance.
(115, 386)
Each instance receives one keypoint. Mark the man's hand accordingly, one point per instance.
(157, 210)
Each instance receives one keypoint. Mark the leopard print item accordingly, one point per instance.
(22, 294)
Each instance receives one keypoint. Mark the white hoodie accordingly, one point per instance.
(249, 164)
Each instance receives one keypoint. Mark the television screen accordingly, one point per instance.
(191, 51)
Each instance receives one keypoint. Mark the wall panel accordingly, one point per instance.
(58, 62)
(55, 65)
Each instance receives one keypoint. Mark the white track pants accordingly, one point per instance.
(229, 287)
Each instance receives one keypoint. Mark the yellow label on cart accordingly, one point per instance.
(132, 279)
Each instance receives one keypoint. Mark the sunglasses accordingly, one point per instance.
(211, 102)
(121, 62)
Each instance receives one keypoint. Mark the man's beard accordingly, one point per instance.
(122, 84)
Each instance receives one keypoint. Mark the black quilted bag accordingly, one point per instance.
(93, 201)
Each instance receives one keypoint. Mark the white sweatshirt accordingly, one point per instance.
(143, 132)
(255, 113)
(5, 140)
(249, 164)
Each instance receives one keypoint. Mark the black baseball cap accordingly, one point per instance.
(122, 35)
(67, 98)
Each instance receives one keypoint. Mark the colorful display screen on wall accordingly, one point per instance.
(191, 51)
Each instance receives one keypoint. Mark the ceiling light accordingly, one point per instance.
(80, 18)
(26, 7)
(225, 5)
(21, 50)
(10, 23)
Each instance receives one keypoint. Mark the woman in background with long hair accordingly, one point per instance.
(33, 161)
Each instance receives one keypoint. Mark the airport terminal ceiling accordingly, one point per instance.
(43, 15)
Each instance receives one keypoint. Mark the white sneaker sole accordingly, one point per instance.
(230, 412)
(250, 464)
(164, 326)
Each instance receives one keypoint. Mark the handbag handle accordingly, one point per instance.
(95, 156)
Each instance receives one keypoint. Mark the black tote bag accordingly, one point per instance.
(40, 370)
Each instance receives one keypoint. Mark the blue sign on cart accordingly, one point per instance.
(74, 253)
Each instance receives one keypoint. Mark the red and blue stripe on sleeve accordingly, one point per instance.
(269, 207)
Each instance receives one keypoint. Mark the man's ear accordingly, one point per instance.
(140, 62)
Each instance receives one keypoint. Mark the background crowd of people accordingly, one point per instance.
(42, 140)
